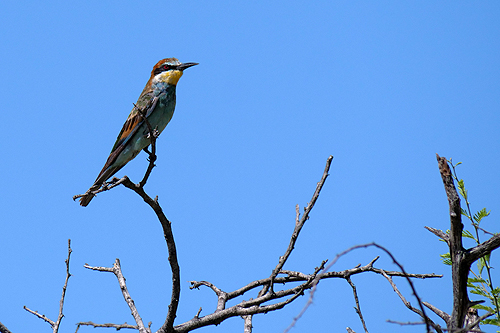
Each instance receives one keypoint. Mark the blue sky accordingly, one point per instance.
(381, 86)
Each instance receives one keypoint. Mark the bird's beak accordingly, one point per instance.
(182, 67)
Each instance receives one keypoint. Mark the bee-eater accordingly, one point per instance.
(157, 100)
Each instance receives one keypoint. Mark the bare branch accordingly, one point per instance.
(61, 302)
(446, 317)
(408, 304)
(460, 267)
(444, 236)
(117, 326)
(298, 226)
(4, 329)
(483, 249)
(41, 316)
(408, 323)
(248, 324)
(55, 324)
(116, 269)
(357, 307)
(172, 253)
(320, 276)
(222, 296)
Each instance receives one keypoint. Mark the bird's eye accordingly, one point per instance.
(165, 67)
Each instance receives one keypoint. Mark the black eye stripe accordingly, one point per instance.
(163, 68)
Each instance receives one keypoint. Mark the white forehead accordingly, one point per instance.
(172, 62)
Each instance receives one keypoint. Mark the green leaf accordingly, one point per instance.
(479, 291)
(483, 307)
(491, 322)
(468, 234)
(464, 213)
(476, 280)
(461, 189)
(480, 215)
(446, 258)
(480, 265)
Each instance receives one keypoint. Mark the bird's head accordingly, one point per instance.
(168, 71)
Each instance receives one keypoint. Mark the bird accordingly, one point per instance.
(157, 104)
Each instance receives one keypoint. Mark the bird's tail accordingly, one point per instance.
(89, 195)
(105, 174)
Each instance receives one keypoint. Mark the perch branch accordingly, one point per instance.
(153, 135)
(172, 253)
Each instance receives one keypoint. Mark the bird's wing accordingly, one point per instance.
(134, 119)
(132, 124)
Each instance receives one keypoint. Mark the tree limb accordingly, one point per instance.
(4, 329)
(460, 267)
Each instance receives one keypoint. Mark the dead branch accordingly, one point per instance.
(444, 236)
(299, 223)
(461, 258)
(116, 269)
(117, 326)
(460, 268)
(4, 329)
(357, 308)
(56, 324)
(408, 305)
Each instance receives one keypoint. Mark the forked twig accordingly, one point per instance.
(299, 223)
(117, 271)
(56, 324)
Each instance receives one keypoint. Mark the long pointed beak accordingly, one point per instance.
(183, 66)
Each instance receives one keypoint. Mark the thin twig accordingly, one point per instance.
(441, 234)
(61, 302)
(408, 305)
(41, 316)
(319, 276)
(357, 307)
(56, 324)
(298, 226)
(117, 326)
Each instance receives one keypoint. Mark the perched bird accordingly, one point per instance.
(157, 100)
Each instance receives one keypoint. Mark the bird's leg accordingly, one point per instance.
(152, 157)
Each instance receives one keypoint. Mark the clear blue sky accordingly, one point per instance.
(382, 86)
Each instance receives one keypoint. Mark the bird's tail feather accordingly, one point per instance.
(103, 176)
(89, 195)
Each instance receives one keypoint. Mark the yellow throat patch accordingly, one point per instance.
(169, 77)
